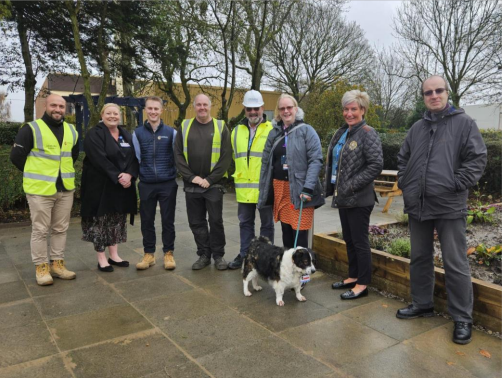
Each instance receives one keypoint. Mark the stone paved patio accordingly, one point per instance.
(186, 323)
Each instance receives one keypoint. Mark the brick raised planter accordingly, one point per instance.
(392, 273)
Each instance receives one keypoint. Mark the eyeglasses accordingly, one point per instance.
(251, 109)
(437, 91)
(288, 108)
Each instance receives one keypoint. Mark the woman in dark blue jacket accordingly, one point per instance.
(354, 160)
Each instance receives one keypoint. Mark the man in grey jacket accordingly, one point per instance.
(442, 157)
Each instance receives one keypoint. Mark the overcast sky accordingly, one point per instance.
(375, 18)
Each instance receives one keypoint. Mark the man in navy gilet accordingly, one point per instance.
(157, 182)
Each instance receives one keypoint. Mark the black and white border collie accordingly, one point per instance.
(282, 268)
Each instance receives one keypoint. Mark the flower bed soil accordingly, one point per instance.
(489, 234)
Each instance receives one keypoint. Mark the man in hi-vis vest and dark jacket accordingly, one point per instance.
(45, 150)
(248, 141)
(203, 155)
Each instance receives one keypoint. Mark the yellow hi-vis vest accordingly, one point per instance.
(47, 159)
(248, 160)
(216, 147)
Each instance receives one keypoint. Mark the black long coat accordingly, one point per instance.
(105, 159)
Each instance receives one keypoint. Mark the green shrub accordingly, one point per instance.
(402, 218)
(8, 132)
(11, 190)
(400, 247)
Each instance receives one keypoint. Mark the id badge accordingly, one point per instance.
(333, 178)
(284, 163)
(305, 278)
(125, 144)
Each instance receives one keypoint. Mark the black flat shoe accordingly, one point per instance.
(342, 285)
(107, 268)
(351, 295)
(123, 264)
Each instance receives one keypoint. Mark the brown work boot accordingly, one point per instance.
(146, 262)
(59, 270)
(169, 262)
(43, 275)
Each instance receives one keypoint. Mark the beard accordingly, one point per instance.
(254, 119)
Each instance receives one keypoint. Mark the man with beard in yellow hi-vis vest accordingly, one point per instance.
(45, 151)
(248, 141)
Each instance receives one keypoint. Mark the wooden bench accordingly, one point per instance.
(386, 185)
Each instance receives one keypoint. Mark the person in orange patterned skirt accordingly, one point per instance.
(292, 160)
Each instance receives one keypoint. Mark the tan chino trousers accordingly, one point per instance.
(49, 213)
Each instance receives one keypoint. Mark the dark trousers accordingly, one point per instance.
(289, 235)
(165, 194)
(210, 242)
(355, 222)
(451, 234)
(247, 214)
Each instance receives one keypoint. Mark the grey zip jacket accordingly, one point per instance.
(304, 155)
(442, 156)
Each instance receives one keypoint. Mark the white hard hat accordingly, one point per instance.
(252, 99)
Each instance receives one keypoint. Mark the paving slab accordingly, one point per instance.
(270, 357)
(215, 332)
(24, 343)
(403, 360)
(13, 291)
(338, 340)
(41, 368)
(19, 314)
(77, 301)
(170, 311)
(92, 327)
(381, 316)
(128, 357)
(150, 287)
(7, 272)
(437, 342)
(292, 314)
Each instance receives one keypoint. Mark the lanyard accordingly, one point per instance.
(336, 155)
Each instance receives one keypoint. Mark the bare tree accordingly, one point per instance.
(389, 87)
(175, 42)
(224, 41)
(315, 48)
(263, 20)
(456, 38)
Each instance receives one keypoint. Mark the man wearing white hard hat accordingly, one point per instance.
(248, 141)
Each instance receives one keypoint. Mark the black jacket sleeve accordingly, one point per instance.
(223, 164)
(23, 144)
(402, 158)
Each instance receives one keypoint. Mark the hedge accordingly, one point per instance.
(8, 132)
(11, 190)
(491, 180)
